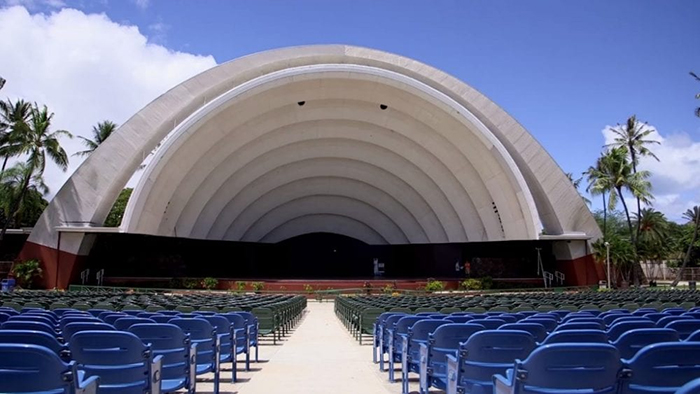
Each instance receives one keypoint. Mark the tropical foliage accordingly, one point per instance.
(115, 215)
(100, 133)
(697, 96)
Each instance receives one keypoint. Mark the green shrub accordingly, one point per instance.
(257, 286)
(191, 283)
(471, 284)
(434, 285)
(389, 289)
(210, 283)
(309, 289)
(25, 272)
(240, 286)
(176, 283)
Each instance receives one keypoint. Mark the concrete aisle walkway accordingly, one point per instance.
(319, 357)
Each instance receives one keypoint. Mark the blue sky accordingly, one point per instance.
(564, 69)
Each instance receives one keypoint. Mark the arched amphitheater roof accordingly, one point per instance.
(331, 138)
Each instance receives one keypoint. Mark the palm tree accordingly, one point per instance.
(634, 137)
(38, 143)
(11, 184)
(601, 182)
(697, 96)
(2, 82)
(13, 128)
(100, 133)
(624, 178)
(693, 216)
(653, 235)
(577, 183)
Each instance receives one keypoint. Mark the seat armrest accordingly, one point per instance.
(423, 367)
(452, 374)
(88, 386)
(504, 384)
(217, 354)
(193, 368)
(156, 374)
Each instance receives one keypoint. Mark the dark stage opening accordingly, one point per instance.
(310, 256)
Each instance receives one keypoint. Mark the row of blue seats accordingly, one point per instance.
(394, 333)
(214, 339)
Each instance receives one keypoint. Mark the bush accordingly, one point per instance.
(486, 282)
(389, 289)
(471, 284)
(309, 289)
(240, 286)
(210, 283)
(434, 285)
(257, 286)
(191, 283)
(25, 272)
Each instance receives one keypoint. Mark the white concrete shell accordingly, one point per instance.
(245, 161)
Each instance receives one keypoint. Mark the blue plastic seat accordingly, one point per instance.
(124, 323)
(576, 336)
(433, 354)
(504, 317)
(579, 326)
(662, 368)
(252, 322)
(536, 329)
(410, 351)
(486, 353)
(38, 338)
(384, 341)
(692, 387)
(549, 324)
(95, 312)
(229, 350)
(121, 360)
(77, 319)
(655, 317)
(240, 331)
(29, 325)
(35, 318)
(620, 328)
(26, 368)
(684, 327)
(208, 345)
(378, 332)
(490, 324)
(4, 317)
(663, 322)
(628, 318)
(178, 366)
(395, 345)
(112, 317)
(71, 328)
(694, 337)
(563, 368)
(161, 318)
(459, 319)
(610, 317)
(630, 342)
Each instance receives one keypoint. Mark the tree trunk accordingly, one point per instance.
(636, 267)
(679, 275)
(605, 219)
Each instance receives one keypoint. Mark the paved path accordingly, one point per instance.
(320, 356)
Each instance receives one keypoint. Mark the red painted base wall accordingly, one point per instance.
(60, 268)
(583, 271)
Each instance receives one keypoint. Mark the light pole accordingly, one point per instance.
(607, 258)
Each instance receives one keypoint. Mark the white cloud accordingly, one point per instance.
(35, 4)
(86, 68)
(676, 176)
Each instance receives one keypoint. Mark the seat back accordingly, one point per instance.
(37, 318)
(684, 327)
(491, 352)
(618, 329)
(203, 334)
(663, 367)
(169, 341)
(663, 322)
(490, 324)
(579, 326)
(32, 368)
(549, 324)
(38, 338)
(459, 319)
(419, 332)
(446, 339)
(124, 323)
(72, 328)
(537, 330)
(28, 325)
(570, 366)
(78, 319)
(576, 336)
(119, 358)
(630, 342)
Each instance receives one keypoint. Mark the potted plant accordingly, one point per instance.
(25, 272)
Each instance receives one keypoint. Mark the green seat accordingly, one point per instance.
(424, 309)
(81, 306)
(184, 309)
(231, 309)
(209, 309)
(401, 310)
(57, 305)
(267, 322)
(154, 308)
(449, 310)
(687, 305)
(545, 308)
(475, 309)
(609, 307)
(14, 305)
(34, 304)
(570, 308)
(501, 308)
